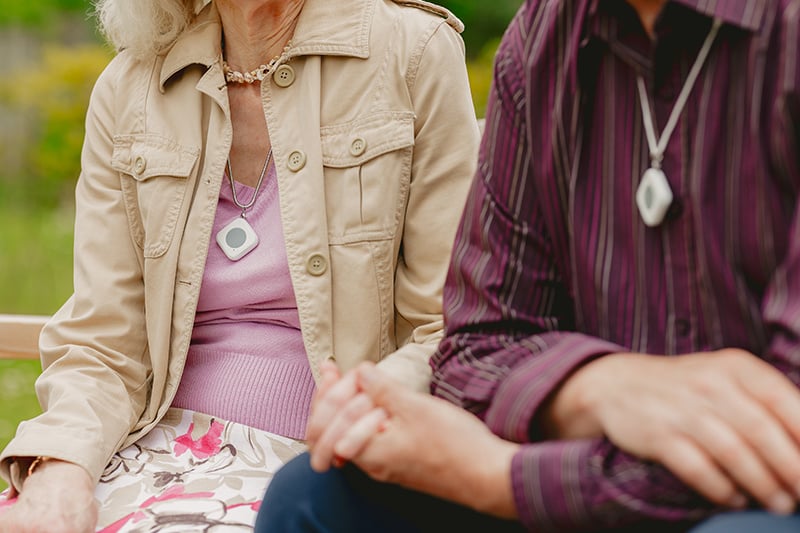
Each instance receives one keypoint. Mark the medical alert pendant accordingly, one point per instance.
(237, 238)
(653, 197)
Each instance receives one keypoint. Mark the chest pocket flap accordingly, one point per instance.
(153, 197)
(356, 142)
(367, 165)
(146, 156)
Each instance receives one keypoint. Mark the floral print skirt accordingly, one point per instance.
(191, 473)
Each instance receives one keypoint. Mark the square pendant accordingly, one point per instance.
(237, 238)
(653, 197)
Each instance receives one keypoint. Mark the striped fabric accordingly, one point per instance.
(553, 265)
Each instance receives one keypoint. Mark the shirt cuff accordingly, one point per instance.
(580, 485)
(522, 393)
(547, 480)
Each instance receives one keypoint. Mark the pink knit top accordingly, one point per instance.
(247, 362)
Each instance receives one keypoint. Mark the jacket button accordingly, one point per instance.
(284, 76)
(316, 265)
(358, 146)
(139, 165)
(296, 161)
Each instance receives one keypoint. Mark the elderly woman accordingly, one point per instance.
(267, 185)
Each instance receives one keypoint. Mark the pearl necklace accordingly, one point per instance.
(257, 74)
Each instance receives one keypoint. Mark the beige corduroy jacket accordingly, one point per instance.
(375, 143)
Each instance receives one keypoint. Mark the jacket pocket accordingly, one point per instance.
(367, 165)
(154, 174)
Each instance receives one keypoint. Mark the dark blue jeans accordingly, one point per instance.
(347, 501)
(750, 522)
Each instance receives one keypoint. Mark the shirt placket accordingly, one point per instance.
(668, 75)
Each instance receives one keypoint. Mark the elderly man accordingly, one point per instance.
(623, 304)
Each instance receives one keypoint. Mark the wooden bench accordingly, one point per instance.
(19, 336)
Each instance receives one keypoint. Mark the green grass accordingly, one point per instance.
(36, 260)
(35, 278)
(17, 399)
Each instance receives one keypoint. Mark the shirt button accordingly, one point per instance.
(296, 161)
(139, 165)
(316, 265)
(358, 146)
(682, 327)
(666, 92)
(331, 358)
(284, 76)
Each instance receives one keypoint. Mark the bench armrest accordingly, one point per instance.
(19, 336)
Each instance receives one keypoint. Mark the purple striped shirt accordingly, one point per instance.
(553, 266)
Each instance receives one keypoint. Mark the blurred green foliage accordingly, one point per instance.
(56, 110)
(17, 399)
(38, 14)
(480, 70)
(484, 22)
(41, 16)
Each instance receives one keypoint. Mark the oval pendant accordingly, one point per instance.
(653, 197)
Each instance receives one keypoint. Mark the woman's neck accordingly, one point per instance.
(255, 31)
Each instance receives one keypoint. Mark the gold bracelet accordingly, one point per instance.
(36, 462)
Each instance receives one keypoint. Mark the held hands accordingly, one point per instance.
(726, 423)
(57, 498)
(412, 439)
(340, 410)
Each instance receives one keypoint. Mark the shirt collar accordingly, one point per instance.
(746, 14)
(345, 32)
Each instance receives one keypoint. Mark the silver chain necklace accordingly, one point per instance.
(654, 195)
(238, 238)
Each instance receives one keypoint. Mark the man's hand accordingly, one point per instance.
(430, 445)
(57, 498)
(726, 423)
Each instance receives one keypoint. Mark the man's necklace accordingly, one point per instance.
(238, 237)
(654, 195)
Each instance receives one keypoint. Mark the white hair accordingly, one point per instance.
(145, 27)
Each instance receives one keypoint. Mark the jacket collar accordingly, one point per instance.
(325, 27)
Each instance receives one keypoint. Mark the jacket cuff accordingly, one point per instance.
(31, 441)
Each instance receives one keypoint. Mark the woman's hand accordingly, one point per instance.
(337, 407)
(726, 423)
(57, 498)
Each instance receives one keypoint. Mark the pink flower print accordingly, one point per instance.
(202, 448)
(5, 501)
(172, 493)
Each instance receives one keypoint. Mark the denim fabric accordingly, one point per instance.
(347, 501)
